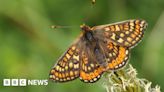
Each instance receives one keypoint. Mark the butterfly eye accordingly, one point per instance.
(89, 36)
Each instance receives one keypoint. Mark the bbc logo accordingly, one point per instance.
(14, 82)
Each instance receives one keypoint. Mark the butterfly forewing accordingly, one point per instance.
(126, 33)
(67, 67)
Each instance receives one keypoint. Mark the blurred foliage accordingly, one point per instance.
(29, 47)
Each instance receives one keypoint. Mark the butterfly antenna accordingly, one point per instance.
(58, 26)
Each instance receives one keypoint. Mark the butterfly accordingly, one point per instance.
(97, 50)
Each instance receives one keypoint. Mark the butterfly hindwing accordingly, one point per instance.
(126, 33)
(67, 67)
(117, 56)
(90, 70)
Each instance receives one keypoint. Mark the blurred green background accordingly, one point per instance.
(29, 47)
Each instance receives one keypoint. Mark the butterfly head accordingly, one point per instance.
(87, 33)
(85, 28)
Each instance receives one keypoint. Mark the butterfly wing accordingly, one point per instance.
(116, 56)
(90, 70)
(68, 66)
(126, 33)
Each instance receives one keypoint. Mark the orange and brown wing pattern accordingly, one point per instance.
(90, 70)
(67, 67)
(126, 33)
(117, 56)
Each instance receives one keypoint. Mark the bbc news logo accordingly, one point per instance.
(23, 82)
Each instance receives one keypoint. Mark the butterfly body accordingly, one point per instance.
(97, 50)
(93, 45)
